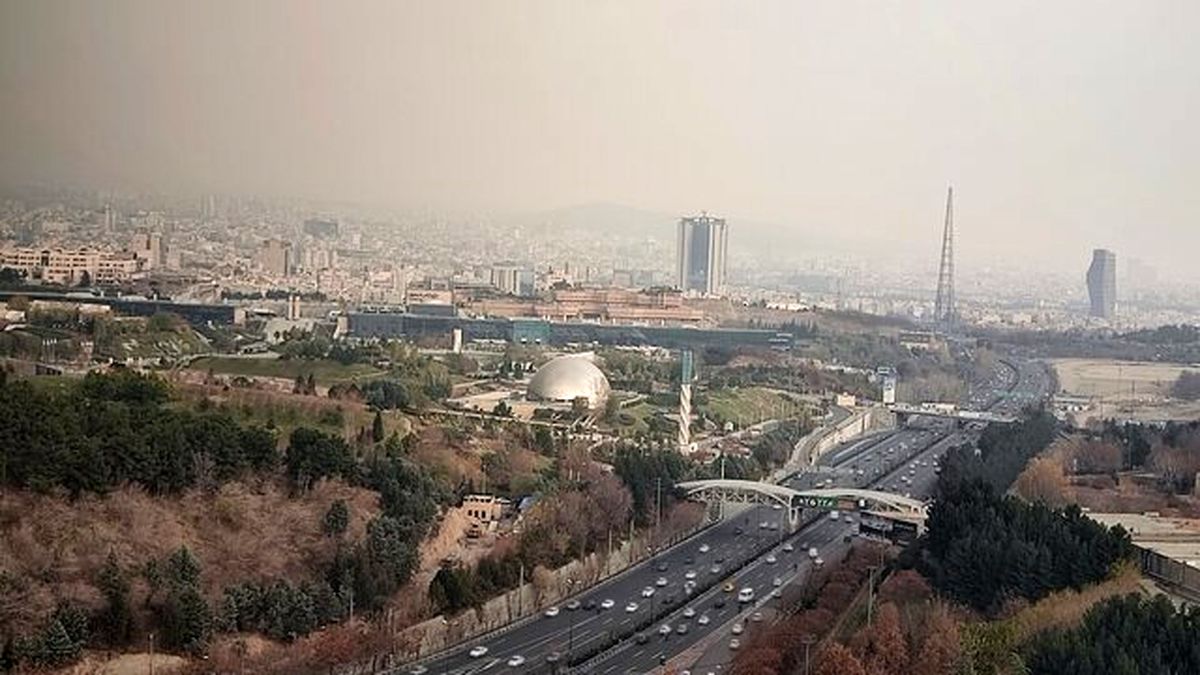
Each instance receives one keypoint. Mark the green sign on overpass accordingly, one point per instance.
(828, 503)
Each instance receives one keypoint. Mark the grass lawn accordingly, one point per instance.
(325, 372)
(639, 413)
(744, 403)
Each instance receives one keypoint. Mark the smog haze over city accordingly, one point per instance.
(1061, 124)
(566, 337)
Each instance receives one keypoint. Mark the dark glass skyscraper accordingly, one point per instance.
(1102, 283)
(701, 254)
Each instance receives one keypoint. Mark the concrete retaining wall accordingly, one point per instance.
(543, 587)
(825, 438)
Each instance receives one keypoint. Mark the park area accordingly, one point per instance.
(324, 372)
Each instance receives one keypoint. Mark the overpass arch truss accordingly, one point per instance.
(754, 492)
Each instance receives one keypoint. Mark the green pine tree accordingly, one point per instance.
(337, 519)
(8, 655)
(187, 621)
(377, 431)
(183, 570)
(115, 619)
(57, 646)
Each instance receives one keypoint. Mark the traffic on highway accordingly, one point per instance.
(717, 580)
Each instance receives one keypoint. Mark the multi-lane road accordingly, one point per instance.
(635, 609)
(908, 453)
(709, 559)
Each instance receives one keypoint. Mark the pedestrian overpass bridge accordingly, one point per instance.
(754, 492)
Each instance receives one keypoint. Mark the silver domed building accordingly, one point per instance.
(566, 378)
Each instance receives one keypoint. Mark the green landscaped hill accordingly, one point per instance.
(323, 371)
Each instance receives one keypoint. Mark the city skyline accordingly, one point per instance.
(513, 120)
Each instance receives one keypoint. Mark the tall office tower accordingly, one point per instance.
(943, 309)
(701, 255)
(275, 257)
(1102, 283)
(150, 249)
(506, 278)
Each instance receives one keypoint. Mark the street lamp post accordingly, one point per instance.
(571, 629)
(808, 641)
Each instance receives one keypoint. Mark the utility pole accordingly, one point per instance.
(608, 558)
(657, 504)
(808, 641)
(870, 592)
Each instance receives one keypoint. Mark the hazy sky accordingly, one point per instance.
(1063, 125)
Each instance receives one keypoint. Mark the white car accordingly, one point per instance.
(734, 644)
(788, 548)
(647, 592)
(664, 629)
(818, 562)
(516, 660)
(704, 548)
(833, 515)
(703, 620)
(551, 612)
(737, 629)
(771, 559)
(691, 574)
(631, 607)
(607, 604)
(477, 652)
(777, 582)
(689, 613)
(660, 582)
(812, 553)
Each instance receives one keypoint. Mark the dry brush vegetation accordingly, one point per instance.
(51, 548)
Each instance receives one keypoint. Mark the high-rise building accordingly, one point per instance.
(700, 257)
(275, 257)
(1102, 283)
(150, 249)
(321, 228)
(512, 279)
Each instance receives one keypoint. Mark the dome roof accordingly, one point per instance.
(566, 378)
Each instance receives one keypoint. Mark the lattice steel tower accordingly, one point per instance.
(943, 309)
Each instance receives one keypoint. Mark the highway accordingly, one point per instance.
(910, 452)
(901, 461)
(738, 539)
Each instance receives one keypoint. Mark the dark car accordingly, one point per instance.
(719, 603)
(589, 605)
(662, 566)
(642, 638)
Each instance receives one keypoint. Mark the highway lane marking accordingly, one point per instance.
(563, 633)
